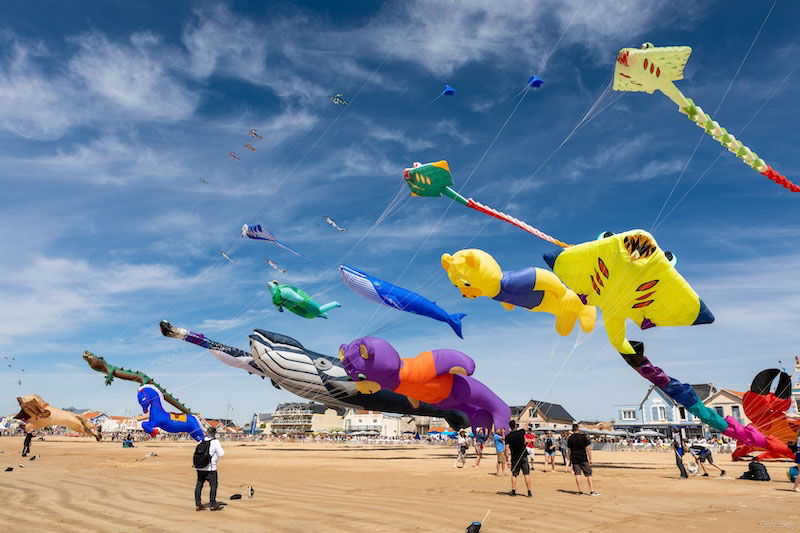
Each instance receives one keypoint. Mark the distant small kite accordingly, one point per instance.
(338, 99)
(448, 91)
(250, 147)
(535, 81)
(203, 180)
(223, 254)
(233, 156)
(253, 134)
(276, 267)
(330, 221)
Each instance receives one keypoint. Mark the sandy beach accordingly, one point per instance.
(79, 485)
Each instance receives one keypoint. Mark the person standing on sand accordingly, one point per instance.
(463, 446)
(530, 443)
(26, 444)
(500, 449)
(579, 453)
(480, 441)
(206, 454)
(550, 451)
(518, 457)
(562, 445)
(677, 445)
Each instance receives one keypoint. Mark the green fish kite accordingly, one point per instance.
(298, 301)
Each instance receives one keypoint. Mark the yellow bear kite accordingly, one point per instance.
(476, 273)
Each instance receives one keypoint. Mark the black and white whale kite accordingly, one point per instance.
(310, 375)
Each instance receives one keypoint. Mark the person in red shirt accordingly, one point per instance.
(530, 444)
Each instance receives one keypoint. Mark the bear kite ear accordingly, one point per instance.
(363, 351)
(471, 259)
(447, 261)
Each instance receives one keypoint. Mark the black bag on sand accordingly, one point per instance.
(756, 472)
(202, 455)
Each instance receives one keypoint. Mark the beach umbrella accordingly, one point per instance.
(647, 433)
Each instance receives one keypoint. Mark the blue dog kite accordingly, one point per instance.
(151, 399)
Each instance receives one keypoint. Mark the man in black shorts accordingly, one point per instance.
(579, 455)
(702, 453)
(518, 453)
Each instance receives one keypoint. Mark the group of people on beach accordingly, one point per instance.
(515, 452)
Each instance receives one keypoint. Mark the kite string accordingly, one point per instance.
(552, 50)
(758, 111)
(719, 105)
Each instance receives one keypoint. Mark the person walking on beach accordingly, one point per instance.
(463, 446)
(480, 441)
(500, 449)
(579, 453)
(550, 451)
(701, 453)
(518, 457)
(562, 445)
(206, 454)
(26, 444)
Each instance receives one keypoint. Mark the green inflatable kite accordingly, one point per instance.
(298, 301)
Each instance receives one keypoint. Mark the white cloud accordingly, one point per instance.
(58, 294)
(135, 77)
(31, 103)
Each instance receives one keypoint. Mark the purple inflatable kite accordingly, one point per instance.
(439, 377)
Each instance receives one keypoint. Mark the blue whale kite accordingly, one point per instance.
(396, 297)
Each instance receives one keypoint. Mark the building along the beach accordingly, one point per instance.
(302, 418)
(658, 412)
(726, 402)
(541, 414)
(387, 425)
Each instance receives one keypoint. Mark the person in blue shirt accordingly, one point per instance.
(500, 448)
(480, 441)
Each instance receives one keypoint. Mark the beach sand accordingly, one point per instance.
(80, 485)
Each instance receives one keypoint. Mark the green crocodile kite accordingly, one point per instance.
(298, 301)
(111, 372)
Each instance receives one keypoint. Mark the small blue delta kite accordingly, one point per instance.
(396, 297)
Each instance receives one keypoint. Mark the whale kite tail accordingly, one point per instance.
(455, 322)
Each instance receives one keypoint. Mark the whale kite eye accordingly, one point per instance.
(323, 364)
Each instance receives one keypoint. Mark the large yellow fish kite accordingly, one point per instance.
(629, 277)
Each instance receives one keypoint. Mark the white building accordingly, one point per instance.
(388, 425)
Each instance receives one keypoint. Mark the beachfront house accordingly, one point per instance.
(265, 422)
(301, 418)
(541, 414)
(658, 412)
(385, 424)
(727, 402)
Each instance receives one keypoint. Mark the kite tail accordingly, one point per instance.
(685, 395)
(477, 206)
(295, 252)
(712, 127)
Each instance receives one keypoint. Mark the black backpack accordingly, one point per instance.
(202, 454)
(756, 472)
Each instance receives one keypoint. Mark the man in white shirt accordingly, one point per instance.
(209, 471)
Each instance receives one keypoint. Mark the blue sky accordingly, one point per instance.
(110, 115)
